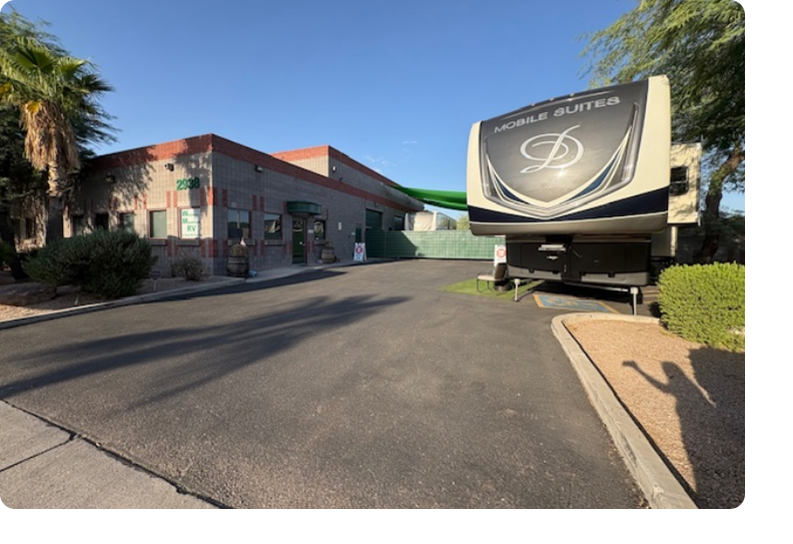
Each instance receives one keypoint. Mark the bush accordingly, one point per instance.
(8, 255)
(705, 303)
(111, 264)
(188, 267)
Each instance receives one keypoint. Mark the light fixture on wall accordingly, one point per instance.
(110, 178)
(169, 166)
(259, 168)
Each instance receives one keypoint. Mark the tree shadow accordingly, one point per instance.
(116, 182)
(711, 412)
(254, 287)
(180, 354)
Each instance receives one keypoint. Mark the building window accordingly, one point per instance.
(126, 221)
(678, 182)
(30, 227)
(272, 226)
(158, 224)
(399, 222)
(102, 221)
(239, 224)
(319, 230)
(78, 225)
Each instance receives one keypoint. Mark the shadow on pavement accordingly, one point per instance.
(251, 341)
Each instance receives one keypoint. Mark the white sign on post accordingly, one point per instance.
(500, 255)
(359, 254)
(191, 223)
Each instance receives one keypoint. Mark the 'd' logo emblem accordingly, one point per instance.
(563, 151)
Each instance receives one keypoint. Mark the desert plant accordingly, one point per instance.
(705, 303)
(54, 264)
(111, 264)
(188, 267)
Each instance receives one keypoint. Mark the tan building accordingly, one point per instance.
(201, 195)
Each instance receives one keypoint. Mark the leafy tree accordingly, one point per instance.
(700, 45)
(20, 184)
(56, 96)
(463, 222)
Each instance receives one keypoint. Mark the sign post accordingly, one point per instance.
(359, 254)
(154, 275)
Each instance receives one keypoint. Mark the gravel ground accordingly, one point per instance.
(688, 399)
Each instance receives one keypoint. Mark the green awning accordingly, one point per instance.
(297, 207)
(453, 200)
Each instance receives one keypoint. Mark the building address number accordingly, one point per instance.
(189, 183)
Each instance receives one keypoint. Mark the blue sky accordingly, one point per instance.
(395, 85)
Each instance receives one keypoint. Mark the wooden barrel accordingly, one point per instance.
(238, 250)
(328, 255)
(238, 266)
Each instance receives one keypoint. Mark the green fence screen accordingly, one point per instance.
(439, 244)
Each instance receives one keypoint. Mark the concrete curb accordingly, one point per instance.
(653, 477)
(137, 299)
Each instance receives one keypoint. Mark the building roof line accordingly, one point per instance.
(210, 142)
(332, 152)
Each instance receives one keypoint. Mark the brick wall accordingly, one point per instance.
(229, 176)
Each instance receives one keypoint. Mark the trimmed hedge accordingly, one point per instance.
(705, 303)
(111, 264)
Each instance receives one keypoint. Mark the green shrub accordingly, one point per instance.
(111, 264)
(188, 267)
(8, 255)
(50, 265)
(705, 303)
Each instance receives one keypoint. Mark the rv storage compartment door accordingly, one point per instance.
(610, 263)
(536, 259)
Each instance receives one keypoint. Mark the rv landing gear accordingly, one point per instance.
(634, 294)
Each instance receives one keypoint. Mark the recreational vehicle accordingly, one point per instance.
(587, 188)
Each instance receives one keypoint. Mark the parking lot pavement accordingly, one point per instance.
(358, 387)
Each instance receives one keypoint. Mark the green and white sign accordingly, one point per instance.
(191, 223)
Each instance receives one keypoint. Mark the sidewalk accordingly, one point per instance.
(43, 466)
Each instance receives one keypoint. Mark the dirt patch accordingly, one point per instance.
(688, 398)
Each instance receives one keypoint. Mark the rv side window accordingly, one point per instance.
(678, 184)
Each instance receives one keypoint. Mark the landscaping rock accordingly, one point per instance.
(25, 294)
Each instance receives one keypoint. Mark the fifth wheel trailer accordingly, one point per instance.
(586, 188)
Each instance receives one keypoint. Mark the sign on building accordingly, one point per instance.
(191, 223)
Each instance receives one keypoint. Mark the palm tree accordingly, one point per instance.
(54, 93)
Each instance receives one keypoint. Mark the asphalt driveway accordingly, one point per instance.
(356, 387)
